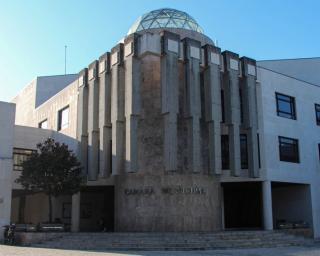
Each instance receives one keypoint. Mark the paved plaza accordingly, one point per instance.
(288, 251)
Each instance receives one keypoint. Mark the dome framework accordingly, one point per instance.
(165, 18)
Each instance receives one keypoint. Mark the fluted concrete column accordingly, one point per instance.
(75, 212)
(193, 101)
(132, 101)
(105, 127)
(212, 94)
(232, 108)
(82, 119)
(250, 119)
(117, 109)
(93, 121)
(267, 205)
(170, 97)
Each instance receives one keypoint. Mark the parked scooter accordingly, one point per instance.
(9, 234)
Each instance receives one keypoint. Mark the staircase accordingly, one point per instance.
(174, 241)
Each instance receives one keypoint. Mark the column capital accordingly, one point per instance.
(170, 42)
(131, 45)
(231, 61)
(83, 78)
(93, 70)
(117, 55)
(212, 55)
(248, 67)
(104, 63)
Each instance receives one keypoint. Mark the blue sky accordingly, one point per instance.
(33, 33)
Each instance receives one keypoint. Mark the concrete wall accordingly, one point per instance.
(49, 110)
(25, 104)
(173, 205)
(36, 93)
(48, 86)
(7, 116)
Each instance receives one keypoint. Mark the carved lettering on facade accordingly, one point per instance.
(139, 191)
(176, 190)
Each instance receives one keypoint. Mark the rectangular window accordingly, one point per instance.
(19, 156)
(241, 105)
(288, 150)
(244, 151)
(317, 108)
(225, 152)
(286, 106)
(222, 106)
(43, 124)
(259, 157)
(63, 118)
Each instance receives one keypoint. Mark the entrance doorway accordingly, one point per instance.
(97, 209)
(242, 205)
(291, 204)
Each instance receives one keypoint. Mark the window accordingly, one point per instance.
(319, 150)
(241, 105)
(259, 157)
(285, 106)
(19, 156)
(288, 150)
(244, 151)
(43, 124)
(222, 106)
(63, 118)
(225, 152)
(317, 107)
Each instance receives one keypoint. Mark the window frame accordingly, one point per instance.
(244, 161)
(281, 156)
(291, 101)
(43, 121)
(317, 110)
(225, 158)
(59, 126)
(18, 166)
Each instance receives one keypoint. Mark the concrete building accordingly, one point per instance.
(173, 135)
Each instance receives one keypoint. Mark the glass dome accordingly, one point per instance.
(165, 18)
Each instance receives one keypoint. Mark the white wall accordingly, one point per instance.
(292, 203)
(306, 69)
(7, 117)
(304, 129)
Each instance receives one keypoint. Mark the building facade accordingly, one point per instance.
(173, 135)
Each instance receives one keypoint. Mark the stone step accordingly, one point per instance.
(174, 241)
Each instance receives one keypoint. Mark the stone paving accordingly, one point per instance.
(288, 251)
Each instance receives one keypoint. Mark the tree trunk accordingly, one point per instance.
(50, 208)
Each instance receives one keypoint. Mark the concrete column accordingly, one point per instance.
(250, 118)
(193, 101)
(267, 205)
(212, 94)
(93, 121)
(105, 127)
(232, 108)
(170, 97)
(132, 101)
(117, 109)
(7, 119)
(82, 120)
(75, 213)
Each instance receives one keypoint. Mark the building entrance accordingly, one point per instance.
(242, 205)
(97, 209)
